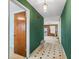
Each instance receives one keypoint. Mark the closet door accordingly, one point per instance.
(20, 33)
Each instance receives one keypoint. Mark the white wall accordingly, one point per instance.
(13, 8)
(54, 20)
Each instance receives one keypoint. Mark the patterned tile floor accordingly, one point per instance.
(44, 51)
(48, 51)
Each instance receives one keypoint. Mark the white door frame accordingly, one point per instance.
(60, 29)
(28, 25)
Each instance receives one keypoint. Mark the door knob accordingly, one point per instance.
(14, 34)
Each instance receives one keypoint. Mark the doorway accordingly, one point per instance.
(51, 29)
(19, 37)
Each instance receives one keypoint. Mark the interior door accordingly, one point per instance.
(20, 33)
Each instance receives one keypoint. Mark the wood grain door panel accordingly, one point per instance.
(20, 33)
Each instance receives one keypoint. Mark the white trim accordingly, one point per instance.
(17, 11)
(60, 29)
(28, 25)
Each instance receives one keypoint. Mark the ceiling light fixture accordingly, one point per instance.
(45, 6)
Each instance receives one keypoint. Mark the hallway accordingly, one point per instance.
(42, 32)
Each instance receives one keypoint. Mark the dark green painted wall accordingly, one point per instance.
(66, 28)
(36, 26)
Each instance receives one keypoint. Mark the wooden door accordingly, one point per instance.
(20, 33)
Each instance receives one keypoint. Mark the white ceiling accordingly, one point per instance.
(55, 7)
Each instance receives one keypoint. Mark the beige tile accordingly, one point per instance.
(49, 51)
(44, 51)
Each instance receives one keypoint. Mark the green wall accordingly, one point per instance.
(66, 28)
(36, 26)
